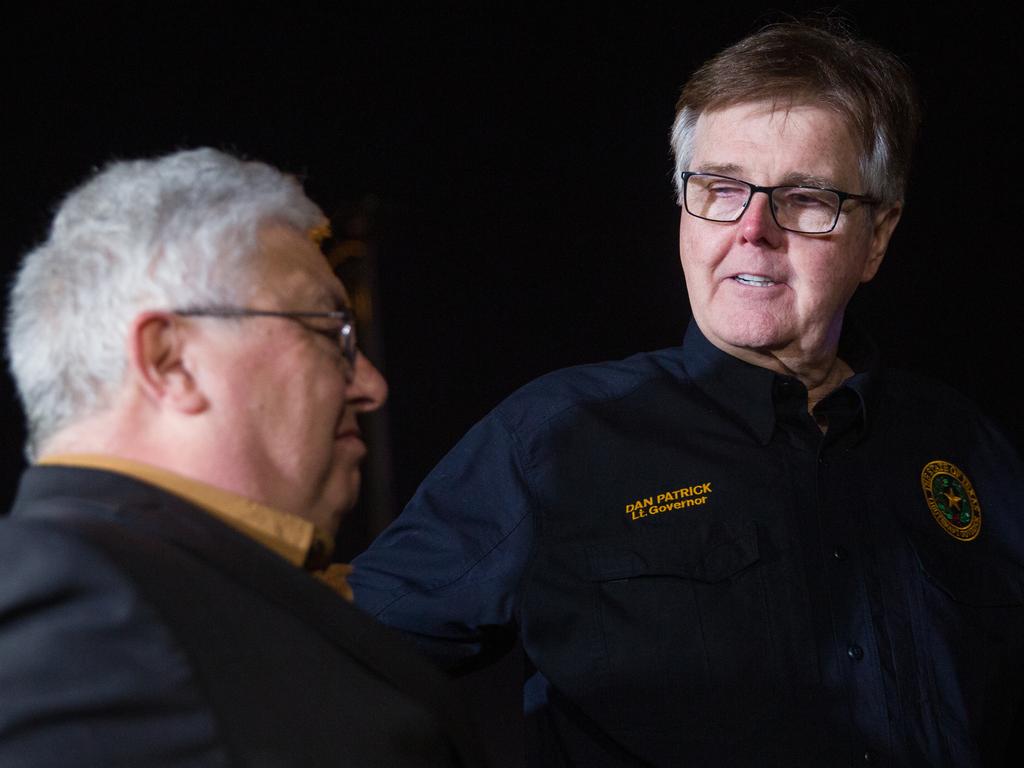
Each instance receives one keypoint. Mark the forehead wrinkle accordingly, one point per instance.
(296, 287)
(780, 114)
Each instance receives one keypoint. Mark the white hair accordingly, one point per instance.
(140, 235)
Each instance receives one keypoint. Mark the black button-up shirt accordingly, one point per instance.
(701, 576)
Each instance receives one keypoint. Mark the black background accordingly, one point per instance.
(519, 159)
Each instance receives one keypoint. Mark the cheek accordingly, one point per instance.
(702, 243)
(689, 252)
(299, 415)
(699, 261)
(687, 241)
(325, 403)
(827, 287)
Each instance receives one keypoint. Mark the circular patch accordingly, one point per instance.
(951, 499)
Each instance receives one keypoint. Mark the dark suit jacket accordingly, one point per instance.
(135, 629)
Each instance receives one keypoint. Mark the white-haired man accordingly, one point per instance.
(188, 364)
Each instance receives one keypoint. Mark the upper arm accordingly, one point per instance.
(448, 569)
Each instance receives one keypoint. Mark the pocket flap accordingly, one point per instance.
(970, 573)
(708, 553)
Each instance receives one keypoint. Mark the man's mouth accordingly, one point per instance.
(756, 281)
(348, 431)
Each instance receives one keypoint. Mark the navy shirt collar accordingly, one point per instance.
(752, 394)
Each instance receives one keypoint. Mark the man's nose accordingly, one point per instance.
(757, 224)
(368, 389)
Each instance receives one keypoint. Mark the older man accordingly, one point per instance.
(761, 548)
(188, 364)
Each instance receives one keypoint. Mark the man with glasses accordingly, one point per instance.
(761, 548)
(187, 361)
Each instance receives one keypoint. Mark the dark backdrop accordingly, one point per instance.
(518, 169)
(516, 165)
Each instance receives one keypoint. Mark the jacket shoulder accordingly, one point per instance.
(79, 643)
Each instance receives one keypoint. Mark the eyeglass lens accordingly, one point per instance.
(347, 338)
(801, 209)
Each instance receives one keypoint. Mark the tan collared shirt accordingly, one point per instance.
(296, 540)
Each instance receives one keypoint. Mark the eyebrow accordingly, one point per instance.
(794, 178)
(809, 180)
(325, 297)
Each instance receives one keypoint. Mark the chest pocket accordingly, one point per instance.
(684, 624)
(969, 616)
(969, 573)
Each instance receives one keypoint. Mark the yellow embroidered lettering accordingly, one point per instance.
(695, 495)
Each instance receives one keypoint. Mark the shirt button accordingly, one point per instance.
(855, 652)
(869, 758)
(840, 553)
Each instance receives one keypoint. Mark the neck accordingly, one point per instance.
(833, 379)
(124, 433)
(820, 378)
(821, 372)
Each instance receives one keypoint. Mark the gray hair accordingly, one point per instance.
(139, 235)
(801, 63)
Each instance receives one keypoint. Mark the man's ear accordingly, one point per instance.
(160, 366)
(883, 224)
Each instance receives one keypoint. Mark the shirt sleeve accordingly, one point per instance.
(89, 674)
(447, 570)
(996, 470)
(1000, 479)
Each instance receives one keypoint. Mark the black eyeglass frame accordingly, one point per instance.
(754, 189)
(345, 336)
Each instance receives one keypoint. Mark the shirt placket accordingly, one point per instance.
(827, 482)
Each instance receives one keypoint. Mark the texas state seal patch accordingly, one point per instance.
(951, 499)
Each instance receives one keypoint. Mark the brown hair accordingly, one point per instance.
(804, 63)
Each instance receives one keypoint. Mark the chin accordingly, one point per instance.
(761, 331)
(345, 494)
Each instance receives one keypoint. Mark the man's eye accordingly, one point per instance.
(808, 199)
(726, 190)
(331, 334)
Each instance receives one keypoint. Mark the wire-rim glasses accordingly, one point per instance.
(344, 336)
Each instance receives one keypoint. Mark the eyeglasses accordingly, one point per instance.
(344, 335)
(806, 210)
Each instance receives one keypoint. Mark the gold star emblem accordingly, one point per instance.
(954, 500)
(951, 499)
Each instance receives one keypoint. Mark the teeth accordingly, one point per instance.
(760, 282)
